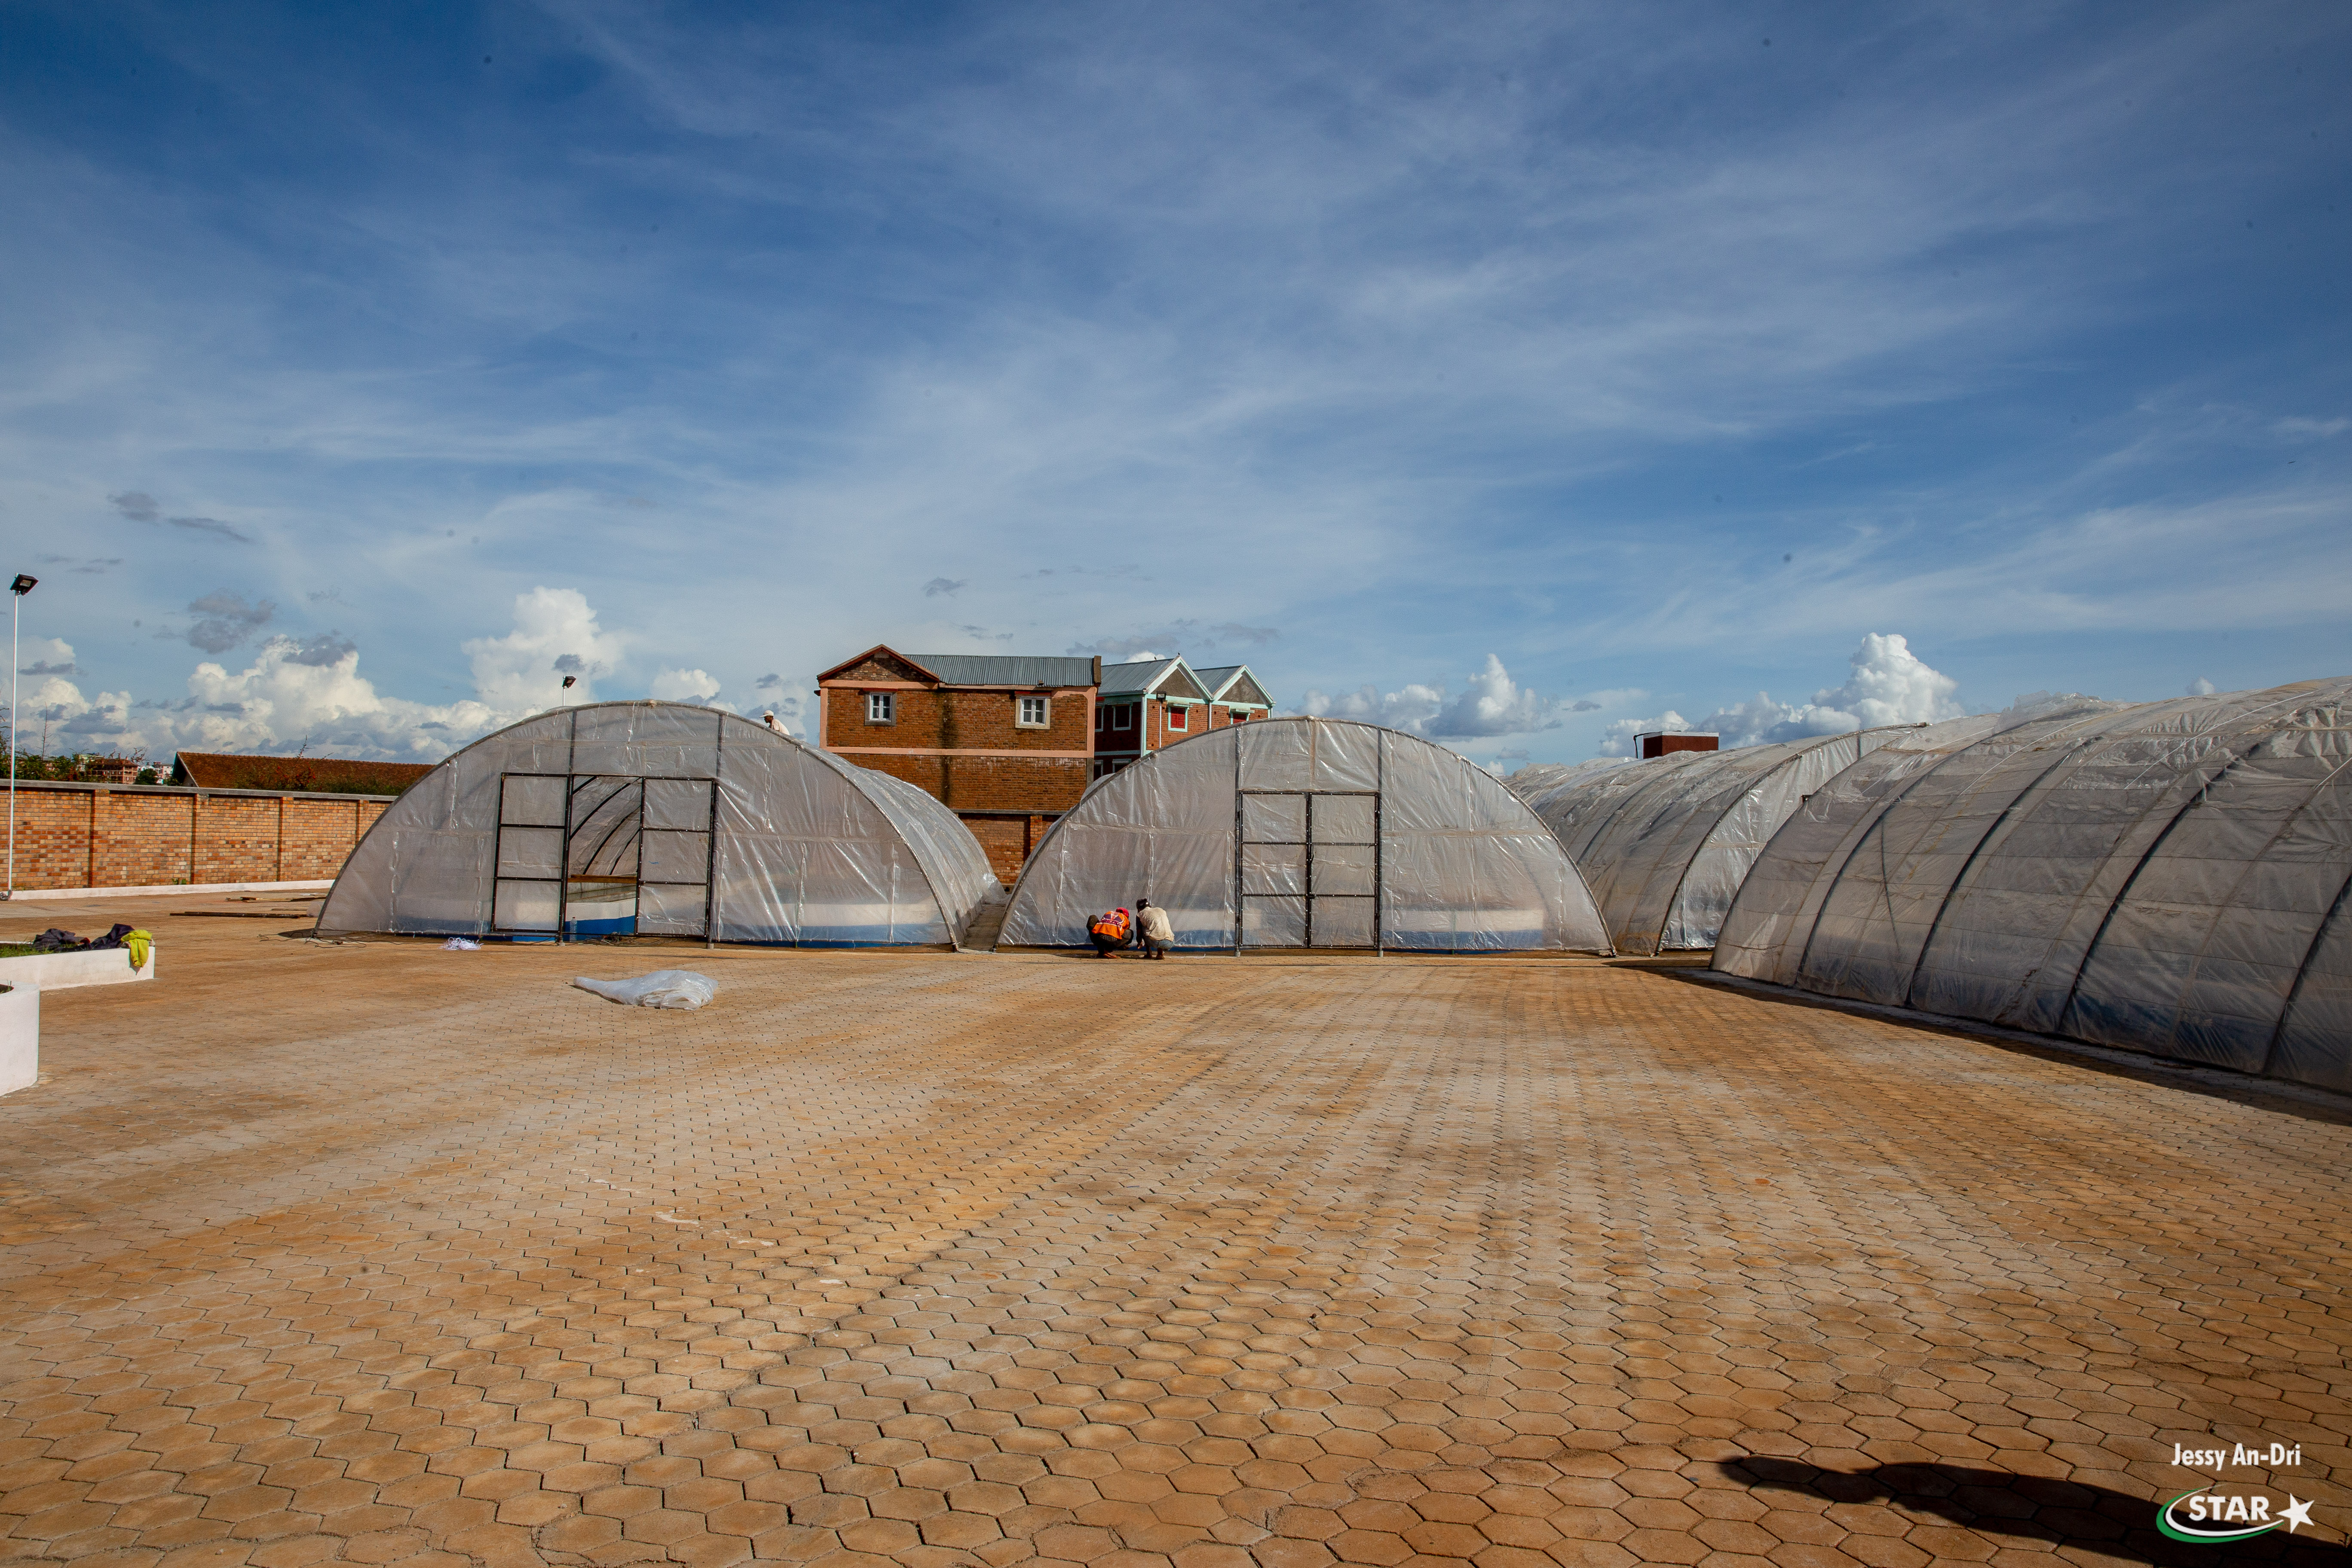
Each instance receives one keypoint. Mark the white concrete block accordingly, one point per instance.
(20, 1038)
(59, 971)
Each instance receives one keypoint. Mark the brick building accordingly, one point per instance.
(1010, 743)
(1149, 703)
(1006, 743)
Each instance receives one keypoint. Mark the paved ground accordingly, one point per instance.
(378, 1253)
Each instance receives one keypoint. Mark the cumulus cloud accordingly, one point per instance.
(1889, 684)
(1490, 704)
(328, 648)
(308, 691)
(294, 692)
(771, 681)
(939, 585)
(50, 656)
(2201, 687)
(520, 673)
(224, 620)
(684, 685)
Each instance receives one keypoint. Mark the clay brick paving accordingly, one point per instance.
(381, 1254)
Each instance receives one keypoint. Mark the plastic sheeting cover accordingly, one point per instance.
(805, 849)
(1664, 844)
(2167, 876)
(1461, 863)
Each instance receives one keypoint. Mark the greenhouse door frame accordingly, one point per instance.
(634, 818)
(1242, 843)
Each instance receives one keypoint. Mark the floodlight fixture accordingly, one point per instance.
(570, 681)
(24, 585)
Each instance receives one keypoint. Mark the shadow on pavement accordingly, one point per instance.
(2005, 1508)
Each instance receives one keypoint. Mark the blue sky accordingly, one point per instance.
(1526, 372)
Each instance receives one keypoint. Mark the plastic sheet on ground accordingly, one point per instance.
(2167, 876)
(1308, 832)
(673, 988)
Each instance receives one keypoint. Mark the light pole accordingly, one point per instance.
(16, 592)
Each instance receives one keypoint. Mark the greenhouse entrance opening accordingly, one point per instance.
(1307, 869)
(584, 855)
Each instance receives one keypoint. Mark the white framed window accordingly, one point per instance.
(1122, 718)
(881, 708)
(1176, 717)
(1033, 713)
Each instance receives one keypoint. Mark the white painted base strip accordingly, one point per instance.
(60, 895)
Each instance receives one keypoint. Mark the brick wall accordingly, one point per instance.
(1009, 841)
(85, 835)
(959, 720)
(989, 784)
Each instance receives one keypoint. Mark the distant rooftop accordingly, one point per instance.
(1006, 669)
(325, 775)
(1142, 675)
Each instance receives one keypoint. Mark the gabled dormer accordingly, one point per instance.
(1232, 686)
(880, 663)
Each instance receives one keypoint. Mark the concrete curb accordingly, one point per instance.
(182, 890)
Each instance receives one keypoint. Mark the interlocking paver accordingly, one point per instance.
(373, 1253)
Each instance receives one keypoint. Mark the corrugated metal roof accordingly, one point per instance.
(1136, 676)
(1215, 682)
(1006, 669)
(1140, 675)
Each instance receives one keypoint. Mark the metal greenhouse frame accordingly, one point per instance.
(1666, 843)
(2167, 876)
(662, 818)
(1292, 833)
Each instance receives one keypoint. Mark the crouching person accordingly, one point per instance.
(1153, 933)
(1109, 932)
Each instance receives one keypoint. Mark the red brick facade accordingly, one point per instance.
(1007, 758)
(1009, 745)
(94, 836)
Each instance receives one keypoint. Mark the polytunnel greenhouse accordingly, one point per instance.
(658, 819)
(1293, 833)
(2167, 877)
(1664, 844)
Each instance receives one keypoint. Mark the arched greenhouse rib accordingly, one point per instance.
(1309, 833)
(2167, 876)
(658, 819)
(1664, 844)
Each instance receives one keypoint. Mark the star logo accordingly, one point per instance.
(2297, 1513)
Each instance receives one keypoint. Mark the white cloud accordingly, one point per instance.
(2201, 687)
(45, 656)
(287, 697)
(1889, 685)
(555, 634)
(309, 692)
(684, 685)
(1491, 703)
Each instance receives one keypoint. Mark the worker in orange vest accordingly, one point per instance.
(1110, 931)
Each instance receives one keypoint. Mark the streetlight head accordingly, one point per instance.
(23, 584)
(570, 681)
